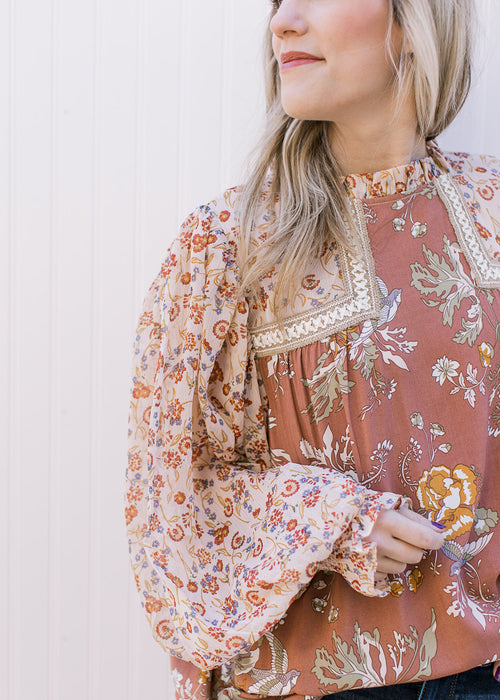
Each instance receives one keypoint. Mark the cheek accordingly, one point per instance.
(365, 23)
(363, 46)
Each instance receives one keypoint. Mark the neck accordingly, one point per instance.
(370, 145)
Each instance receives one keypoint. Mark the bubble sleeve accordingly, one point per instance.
(214, 567)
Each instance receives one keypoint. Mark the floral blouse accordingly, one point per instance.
(260, 455)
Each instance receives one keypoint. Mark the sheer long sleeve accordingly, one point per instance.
(221, 540)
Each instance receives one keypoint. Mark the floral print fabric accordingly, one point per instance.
(260, 456)
(221, 538)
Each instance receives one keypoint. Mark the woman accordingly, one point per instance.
(312, 506)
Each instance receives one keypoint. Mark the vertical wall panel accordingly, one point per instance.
(201, 78)
(243, 87)
(158, 139)
(75, 370)
(117, 118)
(6, 323)
(126, 144)
(31, 430)
(53, 582)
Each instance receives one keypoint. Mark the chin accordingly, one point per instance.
(304, 112)
(310, 108)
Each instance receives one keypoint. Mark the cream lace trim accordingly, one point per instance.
(360, 302)
(485, 269)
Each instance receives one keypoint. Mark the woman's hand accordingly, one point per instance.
(402, 537)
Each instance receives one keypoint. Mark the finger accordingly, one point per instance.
(416, 517)
(394, 531)
(386, 565)
(417, 533)
(393, 548)
(401, 551)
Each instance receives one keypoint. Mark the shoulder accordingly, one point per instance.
(206, 246)
(196, 296)
(211, 227)
(468, 163)
(481, 172)
(477, 178)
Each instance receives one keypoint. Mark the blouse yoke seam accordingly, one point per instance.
(359, 303)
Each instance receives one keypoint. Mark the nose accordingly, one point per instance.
(288, 18)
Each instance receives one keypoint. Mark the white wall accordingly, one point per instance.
(117, 117)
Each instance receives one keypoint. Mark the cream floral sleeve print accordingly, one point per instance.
(260, 454)
(221, 537)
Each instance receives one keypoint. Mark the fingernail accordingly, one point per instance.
(497, 674)
(439, 526)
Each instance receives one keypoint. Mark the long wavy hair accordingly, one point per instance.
(307, 181)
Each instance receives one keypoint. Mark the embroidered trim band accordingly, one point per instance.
(359, 303)
(485, 269)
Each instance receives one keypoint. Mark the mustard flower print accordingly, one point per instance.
(485, 353)
(449, 496)
(396, 588)
(414, 579)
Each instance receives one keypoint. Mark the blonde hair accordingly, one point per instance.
(314, 209)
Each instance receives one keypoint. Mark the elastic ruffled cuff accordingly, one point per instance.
(353, 556)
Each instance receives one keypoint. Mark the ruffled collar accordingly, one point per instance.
(398, 180)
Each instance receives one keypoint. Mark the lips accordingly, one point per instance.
(297, 58)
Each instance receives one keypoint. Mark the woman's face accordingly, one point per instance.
(345, 73)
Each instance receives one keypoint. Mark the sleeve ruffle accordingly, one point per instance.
(353, 556)
(221, 542)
